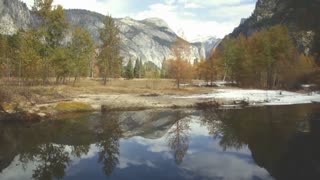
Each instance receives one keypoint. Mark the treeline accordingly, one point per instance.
(267, 59)
(140, 70)
(54, 52)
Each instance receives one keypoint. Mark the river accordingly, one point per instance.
(271, 142)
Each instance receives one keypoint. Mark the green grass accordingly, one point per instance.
(73, 107)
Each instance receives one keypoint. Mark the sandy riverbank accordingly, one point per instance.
(135, 95)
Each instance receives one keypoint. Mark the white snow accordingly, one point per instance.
(259, 97)
(216, 83)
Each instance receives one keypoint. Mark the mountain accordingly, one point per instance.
(206, 45)
(150, 39)
(301, 17)
(14, 15)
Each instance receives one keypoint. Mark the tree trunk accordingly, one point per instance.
(75, 80)
(178, 83)
(224, 76)
(105, 80)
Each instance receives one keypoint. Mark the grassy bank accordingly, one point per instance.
(89, 95)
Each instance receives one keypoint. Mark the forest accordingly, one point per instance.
(268, 59)
(55, 53)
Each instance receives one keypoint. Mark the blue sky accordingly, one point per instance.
(190, 18)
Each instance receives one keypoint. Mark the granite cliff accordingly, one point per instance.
(301, 17)
(149, 39)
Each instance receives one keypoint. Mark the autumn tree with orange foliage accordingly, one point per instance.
(179, 68)
(267, 59)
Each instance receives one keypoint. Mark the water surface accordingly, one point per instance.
(252, 143)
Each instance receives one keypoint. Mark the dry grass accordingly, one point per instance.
(55, 93)
(135, 86)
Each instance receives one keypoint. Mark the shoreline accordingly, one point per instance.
(104, 102)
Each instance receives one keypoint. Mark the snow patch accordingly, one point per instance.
(259, 97)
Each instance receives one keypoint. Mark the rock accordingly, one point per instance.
(30, 111)
(206, 45)
(14, 15)
(149, 40)
(41, 115)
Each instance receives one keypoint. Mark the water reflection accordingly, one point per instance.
(178, 137)
(109, 134)
(168, 144)
(52, 162)
(282, 139)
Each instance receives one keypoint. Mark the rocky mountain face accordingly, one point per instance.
(301, 17)
(206, 45)
(14, 15)
(150, 39)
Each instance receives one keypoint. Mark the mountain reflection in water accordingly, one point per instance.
(252, 143)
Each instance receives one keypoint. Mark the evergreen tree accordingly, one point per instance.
(129, 70)
(82, 51)
(52, 30)
(3, 49)
(137, 69)
(142, 69)
(164, 69)
(109, 60)
(29, 57)
(12, 59)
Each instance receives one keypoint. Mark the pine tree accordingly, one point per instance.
(82, 51)
(164, 69)
(109, 59)
(142, 69)
(52, 30)
(29, 57)
(3, 49)
(129, 70)
(137, 69)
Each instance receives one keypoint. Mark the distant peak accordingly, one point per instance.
(156, 21)
(203, 38)
(128, 18)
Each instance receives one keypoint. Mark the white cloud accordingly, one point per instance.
(192, 5)
(114, 7)
(192, 27)
(208, 3)
(195, 17)
(29, 2)
(211, 166)
(233, 12)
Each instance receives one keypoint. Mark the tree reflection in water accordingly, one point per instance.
(283, 140)
(276, 136)
(52, 145)
(178, 137)
(109, 134)
(211, 118)
(53, 160)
